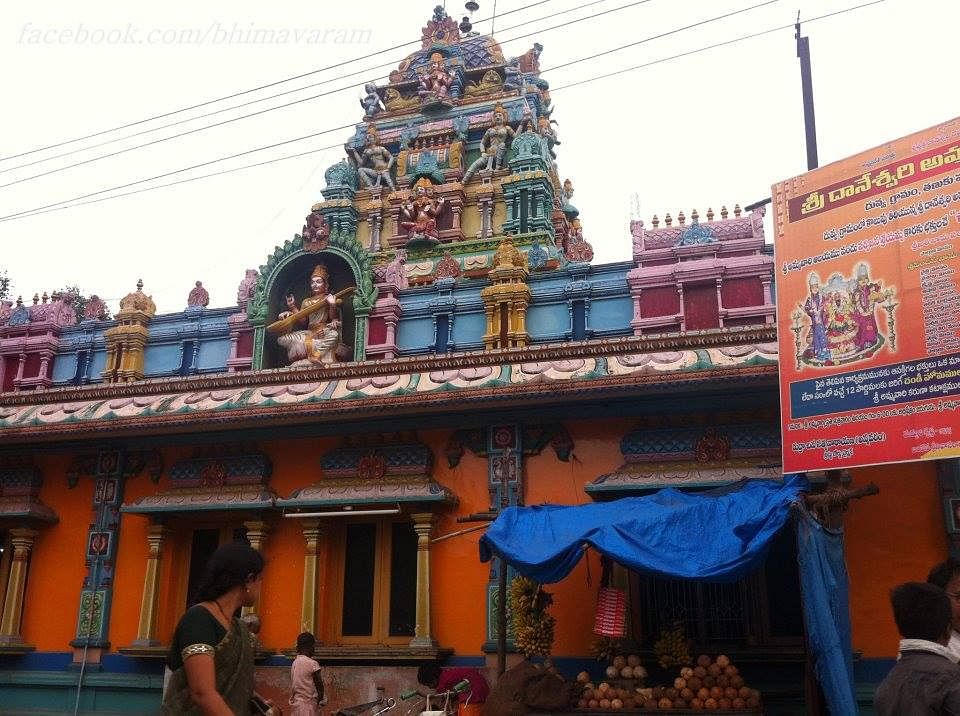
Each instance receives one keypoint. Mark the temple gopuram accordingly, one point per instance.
(434, 344)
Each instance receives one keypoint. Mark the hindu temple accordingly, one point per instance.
(435, 343)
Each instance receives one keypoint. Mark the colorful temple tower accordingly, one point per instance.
(434, 345)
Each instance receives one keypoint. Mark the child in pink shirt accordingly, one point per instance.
(306, 686)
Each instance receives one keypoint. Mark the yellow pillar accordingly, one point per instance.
(22, 540)
(147, 630)
(423, 526)
(308, 607)
(256, 534)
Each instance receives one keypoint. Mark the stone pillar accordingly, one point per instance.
(375, 222)
(308, 607)
(256, 534)
(147, 630)
(683, 315)
(22, 540)
(423, 526)
(720, 300)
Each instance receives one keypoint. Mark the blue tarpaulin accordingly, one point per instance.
(826, 610)
(719, 535)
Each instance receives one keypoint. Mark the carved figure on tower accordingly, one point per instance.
(421, 212)
(199, 296)
(371, 101)
(375, 162)
(436, 81)
(315, 232)
(317, 343)
(493, 146)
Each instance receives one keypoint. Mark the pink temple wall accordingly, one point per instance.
(659, 302)
(700, 309)
(740, 292)
(376, 331)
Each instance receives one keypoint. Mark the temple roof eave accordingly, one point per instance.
(542, 375)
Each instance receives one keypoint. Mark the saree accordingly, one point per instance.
(233, 667)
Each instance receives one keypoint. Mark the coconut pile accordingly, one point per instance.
(711, 685)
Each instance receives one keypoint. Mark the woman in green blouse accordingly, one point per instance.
(211, 656)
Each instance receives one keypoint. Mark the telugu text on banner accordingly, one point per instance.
(868, 305)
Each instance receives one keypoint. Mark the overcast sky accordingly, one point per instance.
(713, 128)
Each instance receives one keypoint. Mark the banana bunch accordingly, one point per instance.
(672, 648)
(533, 628)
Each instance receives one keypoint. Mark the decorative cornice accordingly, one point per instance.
(283, 376)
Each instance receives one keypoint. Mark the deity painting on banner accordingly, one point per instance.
(317, 343)
(842, 322)
(816, 310)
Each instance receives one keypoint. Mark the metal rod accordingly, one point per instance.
(502, 619)
(344, 513)
(441, 538)
(806, 81)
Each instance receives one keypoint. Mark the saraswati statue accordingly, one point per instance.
(317, 343)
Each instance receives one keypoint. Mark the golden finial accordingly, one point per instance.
(681, 218)
(19, 301)
(723, 212)
(736, 210)
(656, 221)
(710, 214)
(668, 220)
(45, 297)
(140, 284)
(36, 299)
(695, 217)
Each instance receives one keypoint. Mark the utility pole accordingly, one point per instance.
(806, 81)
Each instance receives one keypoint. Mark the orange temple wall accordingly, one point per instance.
(891, 538)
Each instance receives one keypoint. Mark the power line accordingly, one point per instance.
(66, 201)
(244, 92)
(56, 206)
(280, 106)
(661, 35)
(711, 47)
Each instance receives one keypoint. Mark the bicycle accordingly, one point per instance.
(447, 700)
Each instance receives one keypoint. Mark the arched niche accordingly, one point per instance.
(288, 271)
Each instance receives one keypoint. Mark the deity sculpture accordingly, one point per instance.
(513, 77)
(246, 287)
(493, 146)
(865, 295)
(395, 275)
(95, 310)
(317, 343)
(421, 212)
(315, 232)
(566, 194)
(816, 309)
(371, 101)
(199, 296)
(436, 80)
(375, 162)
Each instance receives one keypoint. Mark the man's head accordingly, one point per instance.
(946, 575)
(306, 643)
(429, 675)
(921, 611)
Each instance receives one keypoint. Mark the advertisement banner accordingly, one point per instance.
(868, 305)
